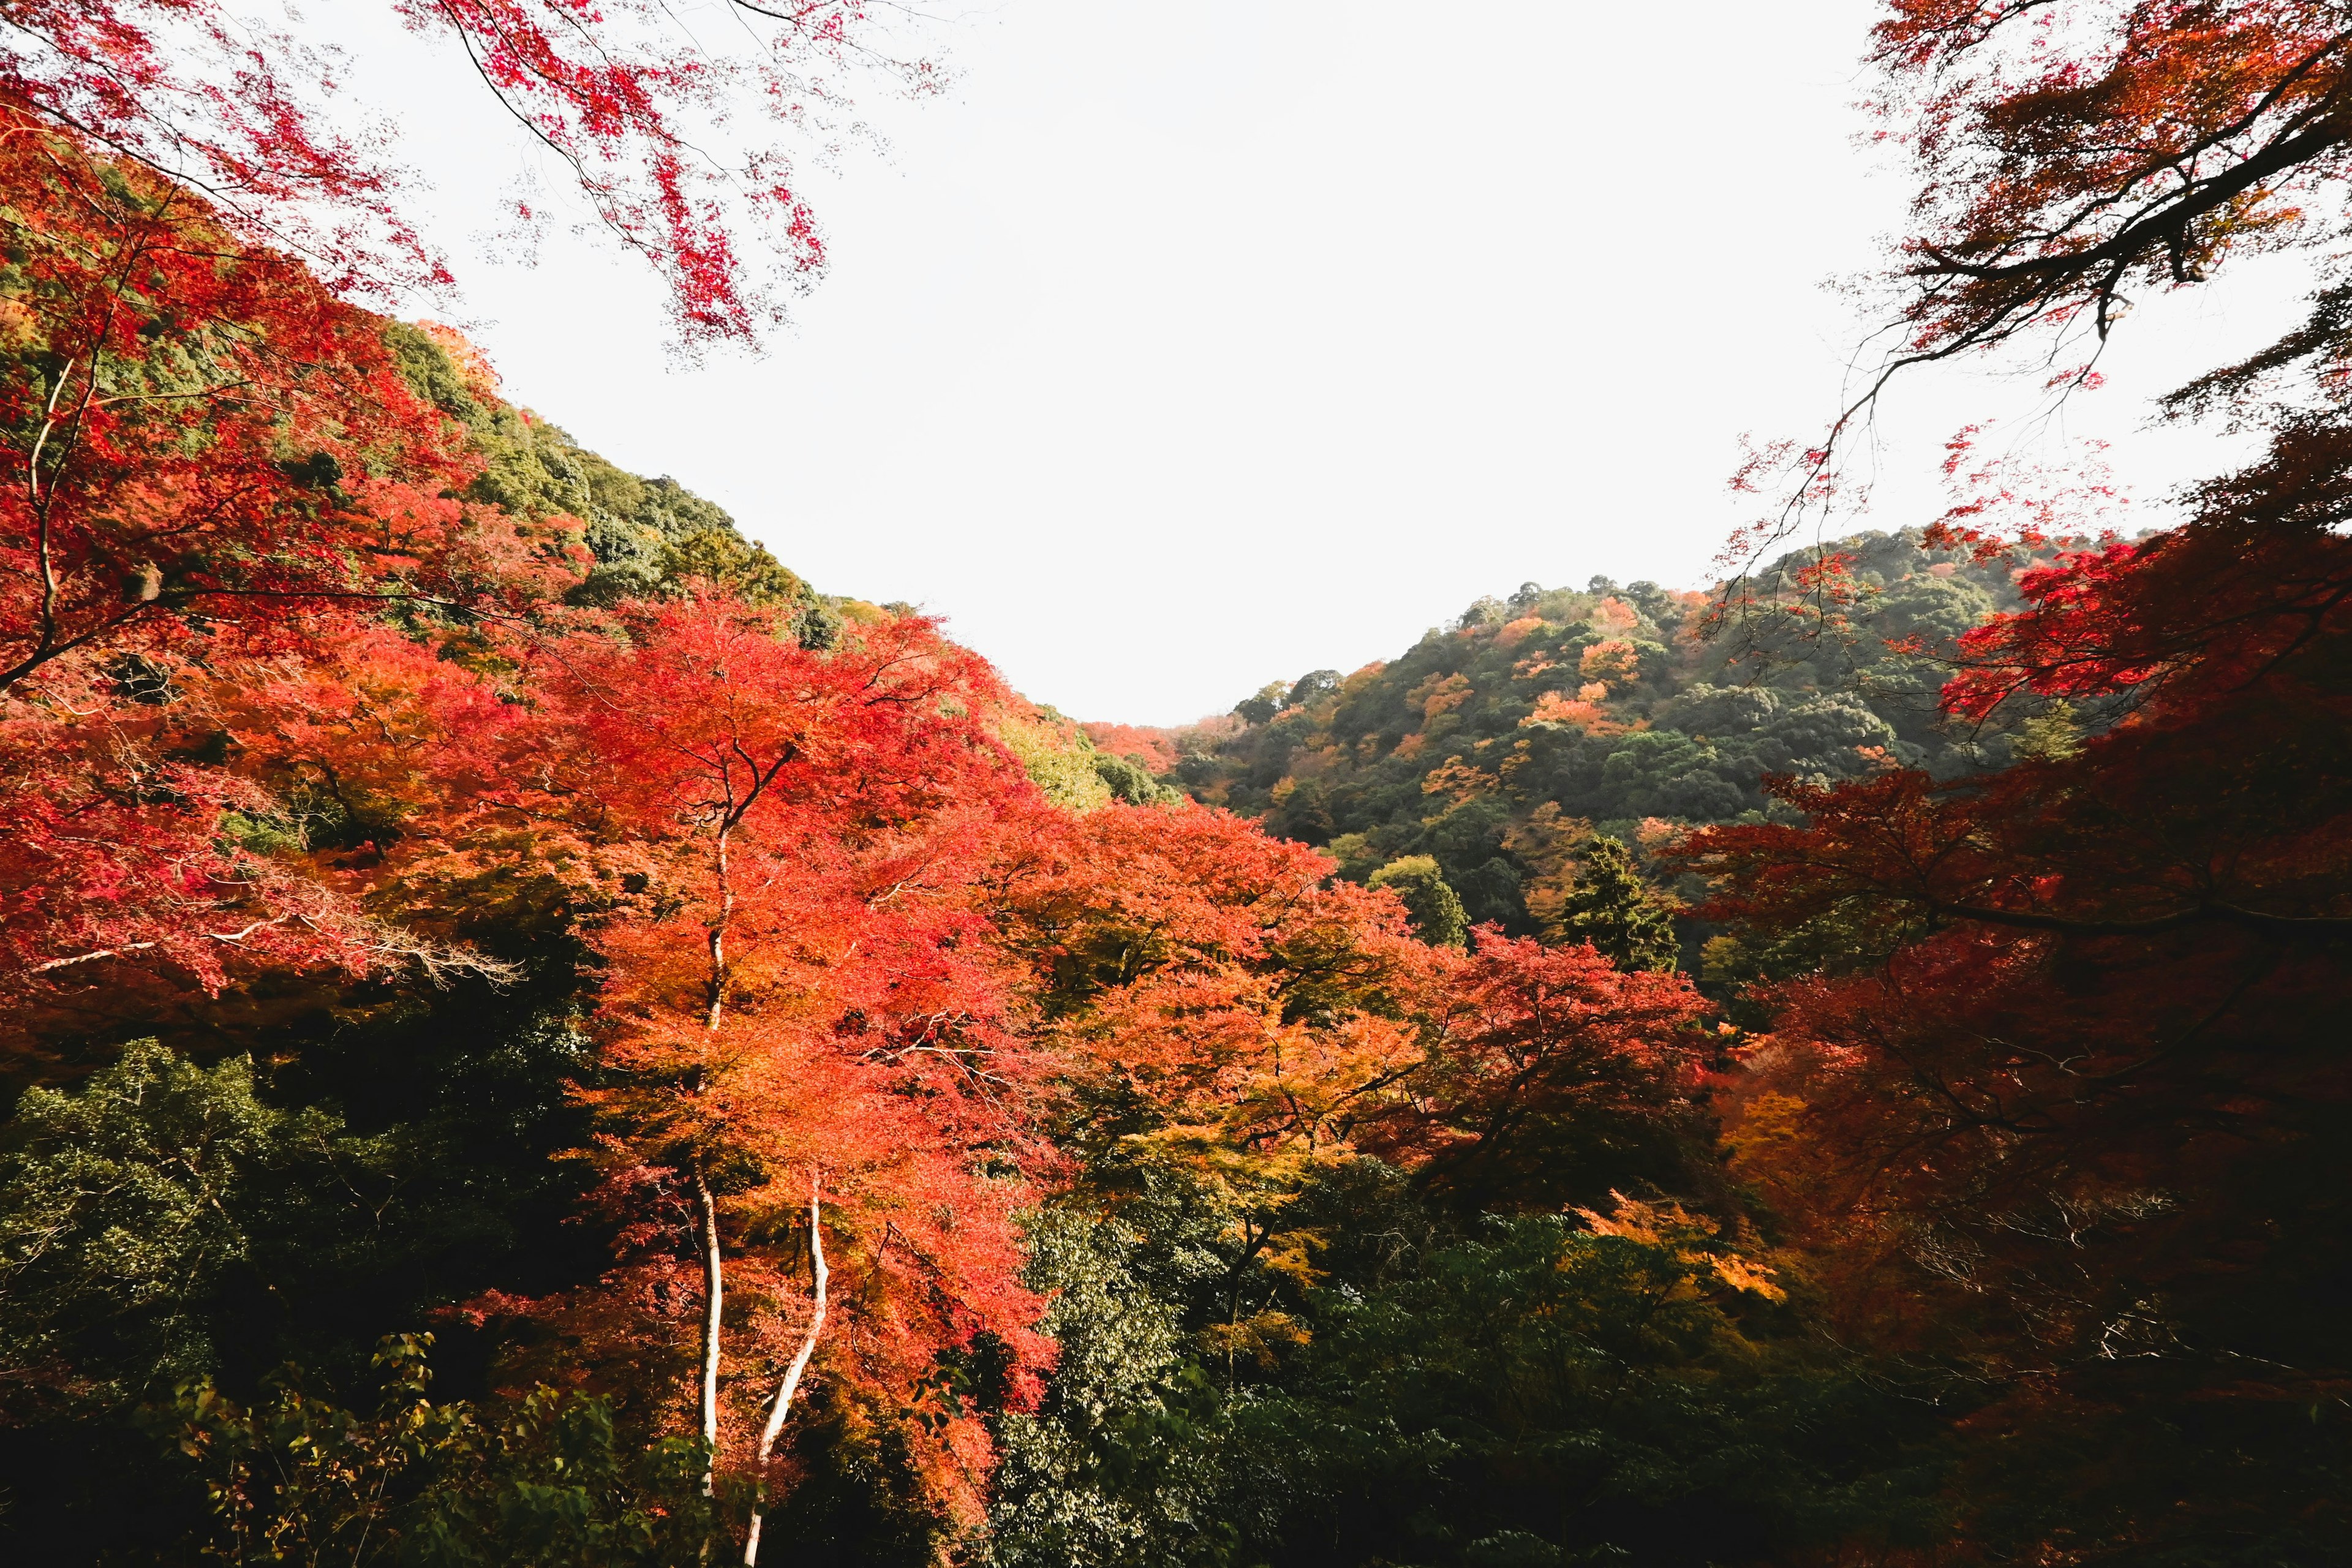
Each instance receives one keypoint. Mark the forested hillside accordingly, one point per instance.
(530, 1035)
(640, 536)
(1501, 745)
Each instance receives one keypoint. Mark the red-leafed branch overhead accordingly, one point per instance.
(677, 137)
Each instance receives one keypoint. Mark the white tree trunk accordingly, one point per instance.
(713, 1298)
(784, 1404)
(713, 1262)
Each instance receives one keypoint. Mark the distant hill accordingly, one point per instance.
(1503, 742)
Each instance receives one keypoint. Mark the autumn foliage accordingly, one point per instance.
(304, 723)
(800, 989)
(794, 1089)
(2052, 1081)
(1553, 1074)
(222, 475)
(288, 714)
(648, 116)
(2067, 153)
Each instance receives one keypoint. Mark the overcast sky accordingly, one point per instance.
(1186, 345)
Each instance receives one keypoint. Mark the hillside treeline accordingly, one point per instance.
(1502, 746)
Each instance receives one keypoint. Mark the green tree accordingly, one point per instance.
(297, 1478)
(1120, 1463)
(1435, 908)
(1611, 908)
(1131, 781)
(122, 1217)
(1265, 704)
(1548, 1394)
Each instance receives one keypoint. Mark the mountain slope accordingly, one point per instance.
(1502, 743)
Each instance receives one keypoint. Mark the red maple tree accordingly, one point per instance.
(2053, 1084)
(217, 477)
(811, 1047)
(1551, 1077)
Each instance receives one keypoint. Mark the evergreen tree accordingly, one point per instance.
(1611, 908)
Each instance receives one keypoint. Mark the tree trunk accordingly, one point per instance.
(713, 1263)
(784, 1404)
(718, 936)
(714, 1295)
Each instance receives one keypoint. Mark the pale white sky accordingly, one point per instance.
(1186, 345)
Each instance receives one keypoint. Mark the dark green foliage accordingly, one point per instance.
(125, 1209)
(1526, 1392)
(548, 1481)
(1547, 1395)
(1264, 704)
(1314, 685)
(166, 1221)
(1664, 772)
(1611, 908)
(1116, 1468)
(1436, 910)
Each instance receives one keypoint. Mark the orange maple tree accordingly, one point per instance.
(803, 1014)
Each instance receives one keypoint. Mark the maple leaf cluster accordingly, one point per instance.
(646, 114)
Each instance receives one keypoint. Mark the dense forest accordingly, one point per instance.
(1501, 745)
(533, 1035)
